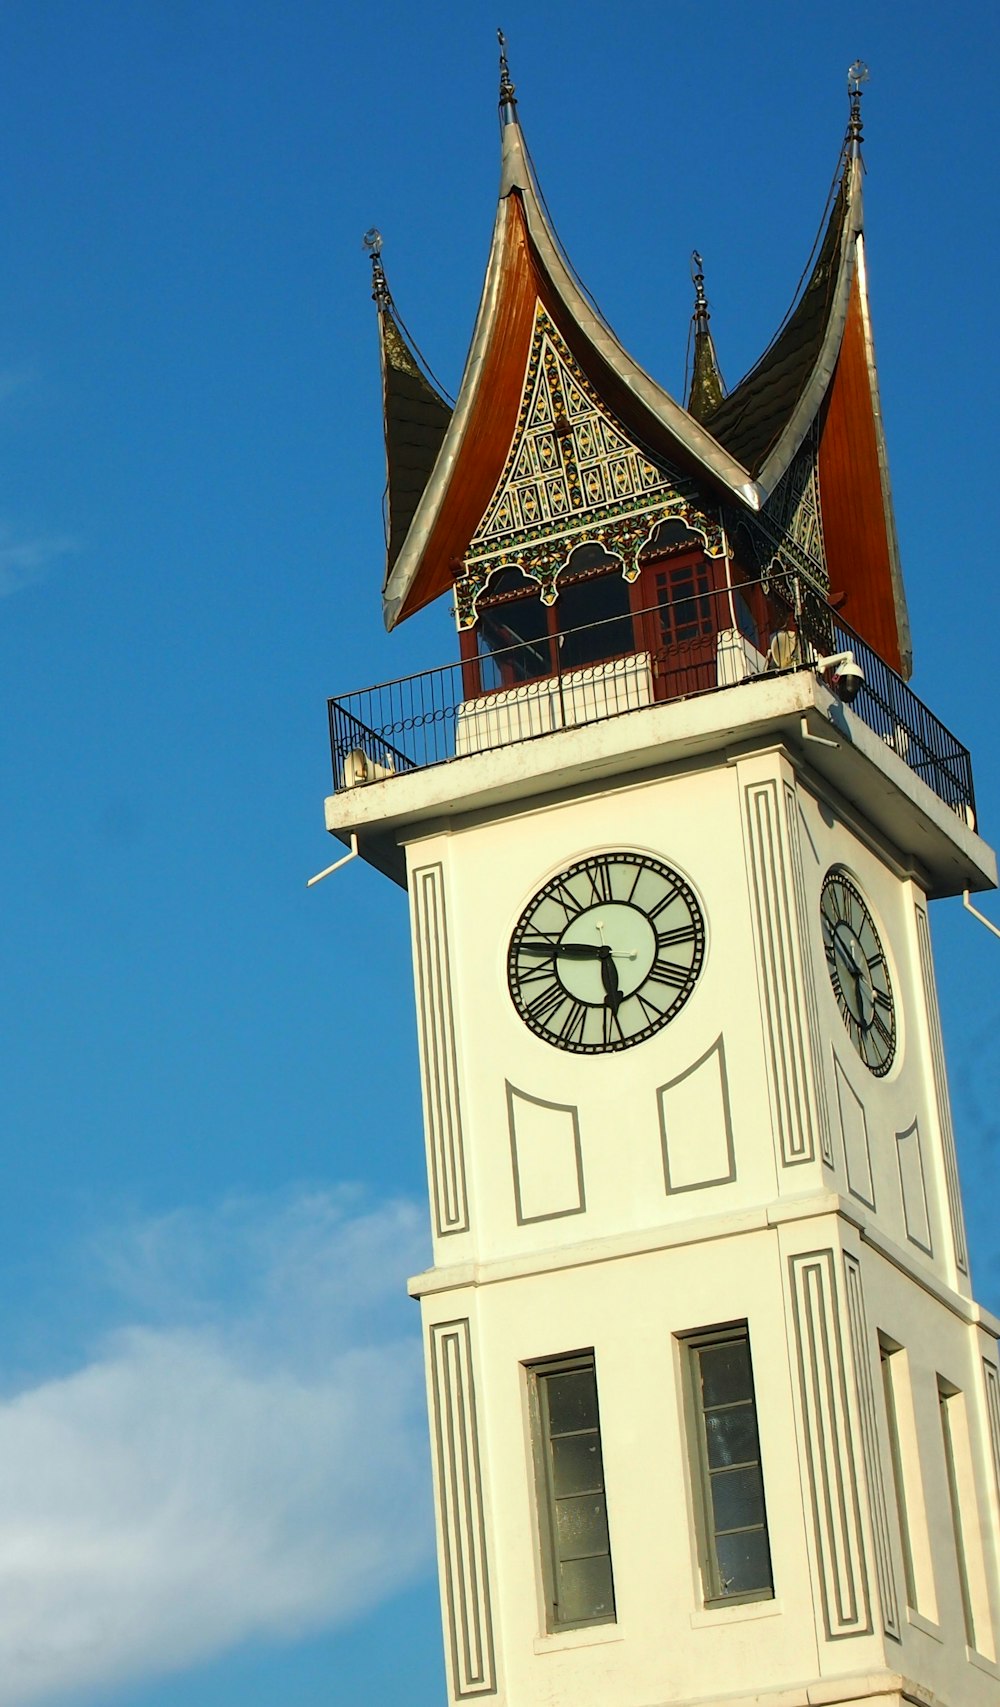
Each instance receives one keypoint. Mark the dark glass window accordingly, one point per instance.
(670, 535)
(737, 1556)
(569, 1469)
(517, 636)
(745, 620)
(513, 634)
(597, 610)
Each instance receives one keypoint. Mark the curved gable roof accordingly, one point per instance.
(527, 265)
(444, 466)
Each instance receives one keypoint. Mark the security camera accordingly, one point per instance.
(847, 675)
(848, 680)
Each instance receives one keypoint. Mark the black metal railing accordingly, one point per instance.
(709, 642)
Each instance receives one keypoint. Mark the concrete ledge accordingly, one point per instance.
(655, 739)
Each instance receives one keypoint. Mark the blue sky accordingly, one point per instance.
(213, 1167)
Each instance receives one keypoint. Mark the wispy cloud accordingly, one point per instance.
(242, 1456)
(27, 560)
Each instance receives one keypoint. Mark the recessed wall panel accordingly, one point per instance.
(862, 1350)
(941, 1092)
(854, 1131)
(465, 1572)
(913, 1189)
(785, 972)
(696, 1128)
(438, 1051)
(545, 1157)
(829, 1448)
(992, 1380)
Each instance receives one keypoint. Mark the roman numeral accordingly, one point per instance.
(534, 972)
(879, 1025)
(670, 939)
(663, 903)
(564, 897)
(572, 1028)
(536, 938)
(600, 881)
(542, 1008)
(675, 977)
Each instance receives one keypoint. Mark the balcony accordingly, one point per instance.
(699, 645)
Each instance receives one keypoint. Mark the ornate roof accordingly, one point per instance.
(455, 477)
(414, 412)
(751, 421)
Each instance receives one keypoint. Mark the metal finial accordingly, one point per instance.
(857, 74)
(701, 315)
(508, 104)
(371, 242)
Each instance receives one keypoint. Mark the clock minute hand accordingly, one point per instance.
(575, 951)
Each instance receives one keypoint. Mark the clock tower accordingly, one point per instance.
(714, 1415)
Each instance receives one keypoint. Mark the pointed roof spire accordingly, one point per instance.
(707, 389)
(371, 242)
(415, 414)
(857, 74)
(508, 103)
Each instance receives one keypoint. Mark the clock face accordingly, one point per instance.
(606, 953)
(859, 972)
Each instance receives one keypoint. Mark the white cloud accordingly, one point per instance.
(27, 560)
(244, 1456)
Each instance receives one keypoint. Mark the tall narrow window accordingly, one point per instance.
(948, 1398)
(887, 1353)
(736, 1556)
(569, 1471)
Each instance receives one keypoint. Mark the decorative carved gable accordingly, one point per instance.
(572, 476)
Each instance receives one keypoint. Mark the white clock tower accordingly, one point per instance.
(714, 1415)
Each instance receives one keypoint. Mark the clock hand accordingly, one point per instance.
(612, 988)
(575, 951)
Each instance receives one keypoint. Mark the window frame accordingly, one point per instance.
(691, 1344)
(473, 659)
(536, 1374)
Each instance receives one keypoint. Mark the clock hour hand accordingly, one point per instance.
(612, 988)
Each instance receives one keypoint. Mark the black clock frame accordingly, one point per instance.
(583, 887)
(875, 1040)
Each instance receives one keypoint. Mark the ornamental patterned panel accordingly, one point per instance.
(573, 476)
(785, 538)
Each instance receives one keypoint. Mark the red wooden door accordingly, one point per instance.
(681, 624)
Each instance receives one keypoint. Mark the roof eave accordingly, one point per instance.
(682, 427)
(811, 398)
(895, 566)
(404, 570)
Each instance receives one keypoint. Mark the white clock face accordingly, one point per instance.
(859, 972)
(606, 953)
